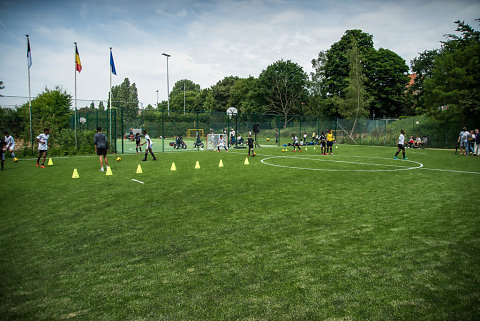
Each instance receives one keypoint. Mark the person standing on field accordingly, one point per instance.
(101, 147)
(401, 145)
(330, 142)
(250, 143)
(460, 141)
(43, 144)
(2, 150)
(10, 144)
(149, 143)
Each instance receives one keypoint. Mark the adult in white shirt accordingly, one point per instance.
(43, 144)
(401, 144)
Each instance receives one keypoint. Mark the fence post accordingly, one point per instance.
(121, 127)
(300, 128)
(96, 120)
(198, 127)
(75, 122)
(163, 131)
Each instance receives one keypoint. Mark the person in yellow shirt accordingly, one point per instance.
(330, 141)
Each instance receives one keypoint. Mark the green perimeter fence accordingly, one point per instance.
(273, 129)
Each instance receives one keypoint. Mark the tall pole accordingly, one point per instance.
(168, 85)
(110, 94)
(184, 97)
(75, 114)
(29, 63)
(157, 100)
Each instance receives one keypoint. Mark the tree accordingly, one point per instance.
(101, 107)
(387, 79)
(455, 80)
(422, 66)
(356, 99)
(192, 91)
(49, 109)
(244, 95)
(282, 87)
(385, 73)
(125, 96)
(221, 94)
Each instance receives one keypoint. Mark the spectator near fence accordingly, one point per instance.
(460, 141)
(470, 143)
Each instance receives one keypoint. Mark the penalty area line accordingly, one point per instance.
(135, 180)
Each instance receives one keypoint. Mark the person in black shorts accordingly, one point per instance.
(250, 143)
(101, 147)
(323, 143)
(137, 142)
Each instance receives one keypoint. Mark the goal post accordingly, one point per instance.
(192, 132)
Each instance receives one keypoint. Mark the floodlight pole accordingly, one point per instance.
(157, 100)
(168, 85)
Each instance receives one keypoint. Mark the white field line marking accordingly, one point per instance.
(138, 181)
(399, 168)
(450, 170)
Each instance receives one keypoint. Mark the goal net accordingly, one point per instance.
(213, 139)
(193, 132)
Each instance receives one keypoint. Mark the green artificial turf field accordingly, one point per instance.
(291, 236)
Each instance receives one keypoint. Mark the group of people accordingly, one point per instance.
(469, 142)
(325, 141)
(7, 144)
(417, 142)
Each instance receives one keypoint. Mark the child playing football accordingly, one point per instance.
(101, 147)
(10, 144)
(221, 143)
(330, 141)
(250, 143)
(149, 143)
(43, 144)
(323, 143)
(401, 145)
(137, 142)
(295, 143)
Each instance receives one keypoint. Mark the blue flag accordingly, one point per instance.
(112, 64)
(29, 54)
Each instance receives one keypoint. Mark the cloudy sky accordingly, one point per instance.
(207, 40)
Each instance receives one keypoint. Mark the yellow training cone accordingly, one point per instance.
(197, 165)
(306, 148)
(109, 171)
(246, 161)
(173, 168)
(314, 148)
(220, 164)
(50, 162)
(139, 169)
(75, 173)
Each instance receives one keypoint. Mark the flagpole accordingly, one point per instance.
(29, 91)
(75, 72)
(110, 131)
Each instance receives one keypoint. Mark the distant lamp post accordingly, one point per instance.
(184, 97)
(157, 100)
(168, 85)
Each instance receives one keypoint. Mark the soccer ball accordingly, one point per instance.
(268, 139)
(15, 159)
(119, 159)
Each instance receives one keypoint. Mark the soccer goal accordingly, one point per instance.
(213, 139)
(193, 132)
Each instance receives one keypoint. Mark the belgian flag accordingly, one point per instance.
(78, 64)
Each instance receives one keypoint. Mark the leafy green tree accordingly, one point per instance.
(220, 94)
(356, 99)
(244, 95)
(385, 73)
(455, 80)
(192, 91)
(101, 107)
(387, 79)
(125, 96)
(283, 88)
(49, 109)
(422, 66)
